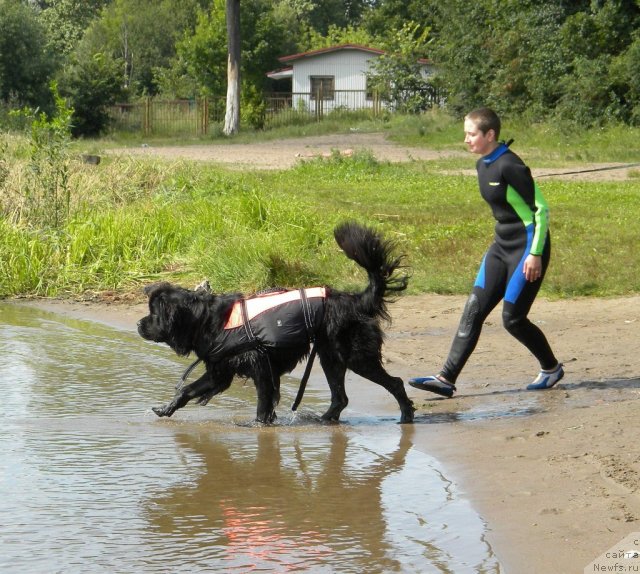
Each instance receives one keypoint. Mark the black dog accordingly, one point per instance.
(222, 332)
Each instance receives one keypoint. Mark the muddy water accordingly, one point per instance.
(92, 481)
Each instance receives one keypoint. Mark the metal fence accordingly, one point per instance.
(153, 116)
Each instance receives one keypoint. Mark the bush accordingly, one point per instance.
(92, 84)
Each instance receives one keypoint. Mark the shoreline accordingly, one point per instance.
(555, 474)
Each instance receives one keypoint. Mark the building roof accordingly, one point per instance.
(338, 48)
(281, 73)
(356, 47)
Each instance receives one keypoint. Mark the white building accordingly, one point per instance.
(331, 78)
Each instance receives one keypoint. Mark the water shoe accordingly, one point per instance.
(433, 384)
(546, 379)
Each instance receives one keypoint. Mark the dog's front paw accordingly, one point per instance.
(162, 411)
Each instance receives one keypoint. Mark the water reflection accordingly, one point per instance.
(308, 500)
(92, 481)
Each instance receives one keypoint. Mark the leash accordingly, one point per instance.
(305, 378)
(189, 369)
(308, 323)
(187, 372)
(625, 166)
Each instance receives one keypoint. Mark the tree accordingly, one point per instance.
(534, 58)
(626, 75)
(26, 67)
(348, 35)
(200, 67)
(91, 84)
(397, 74)
(143, 36)
(232, 115)
(339, 13)
(66, 22)
(384, 17)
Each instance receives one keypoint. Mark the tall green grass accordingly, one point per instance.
(135, 221)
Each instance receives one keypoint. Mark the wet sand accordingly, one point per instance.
(556, 474)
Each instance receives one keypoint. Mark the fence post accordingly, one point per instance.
(319, 103)
(205, 116)
(146, 123)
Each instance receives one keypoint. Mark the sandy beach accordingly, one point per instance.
(556, 474)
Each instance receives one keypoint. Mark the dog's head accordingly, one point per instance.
(175, 316)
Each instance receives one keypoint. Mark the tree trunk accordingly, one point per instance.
(232, 115)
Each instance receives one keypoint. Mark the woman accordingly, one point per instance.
(515, 264)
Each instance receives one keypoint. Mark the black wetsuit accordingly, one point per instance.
(522, 228)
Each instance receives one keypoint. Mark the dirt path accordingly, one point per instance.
(282, 154)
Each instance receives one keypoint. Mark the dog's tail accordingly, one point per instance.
(368, 249)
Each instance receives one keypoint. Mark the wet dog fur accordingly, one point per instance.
(350, 336)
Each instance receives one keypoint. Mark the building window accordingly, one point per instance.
(323, 87)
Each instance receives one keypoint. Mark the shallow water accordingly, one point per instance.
(92, 481)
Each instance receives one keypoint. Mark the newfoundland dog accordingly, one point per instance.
(266, 335)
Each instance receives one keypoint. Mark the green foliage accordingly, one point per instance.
(91, 84)
(336, 36)
(572, 61)
(202, 55)
(341, 13)
(253, 108)
(201, 62)
(47, 195)
(25, 64)
(105, 250)
(66, 22)
(625, 82)
(140, 221)
(538, 59)
(397, 75)
(390, 15)
(142, 35)
(461, 52)
(530, 60)
(587, 96)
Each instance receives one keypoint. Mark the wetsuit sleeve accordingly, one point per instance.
(541, 218)
(525, 197)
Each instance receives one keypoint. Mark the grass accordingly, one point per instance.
(131, 222)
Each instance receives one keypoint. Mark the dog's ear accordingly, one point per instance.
(149, 290)
(183, 311)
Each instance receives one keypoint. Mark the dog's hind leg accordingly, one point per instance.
(203, 388)
(374, 371)
(335, 372)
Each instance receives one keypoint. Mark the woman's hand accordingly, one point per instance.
(532, 268)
